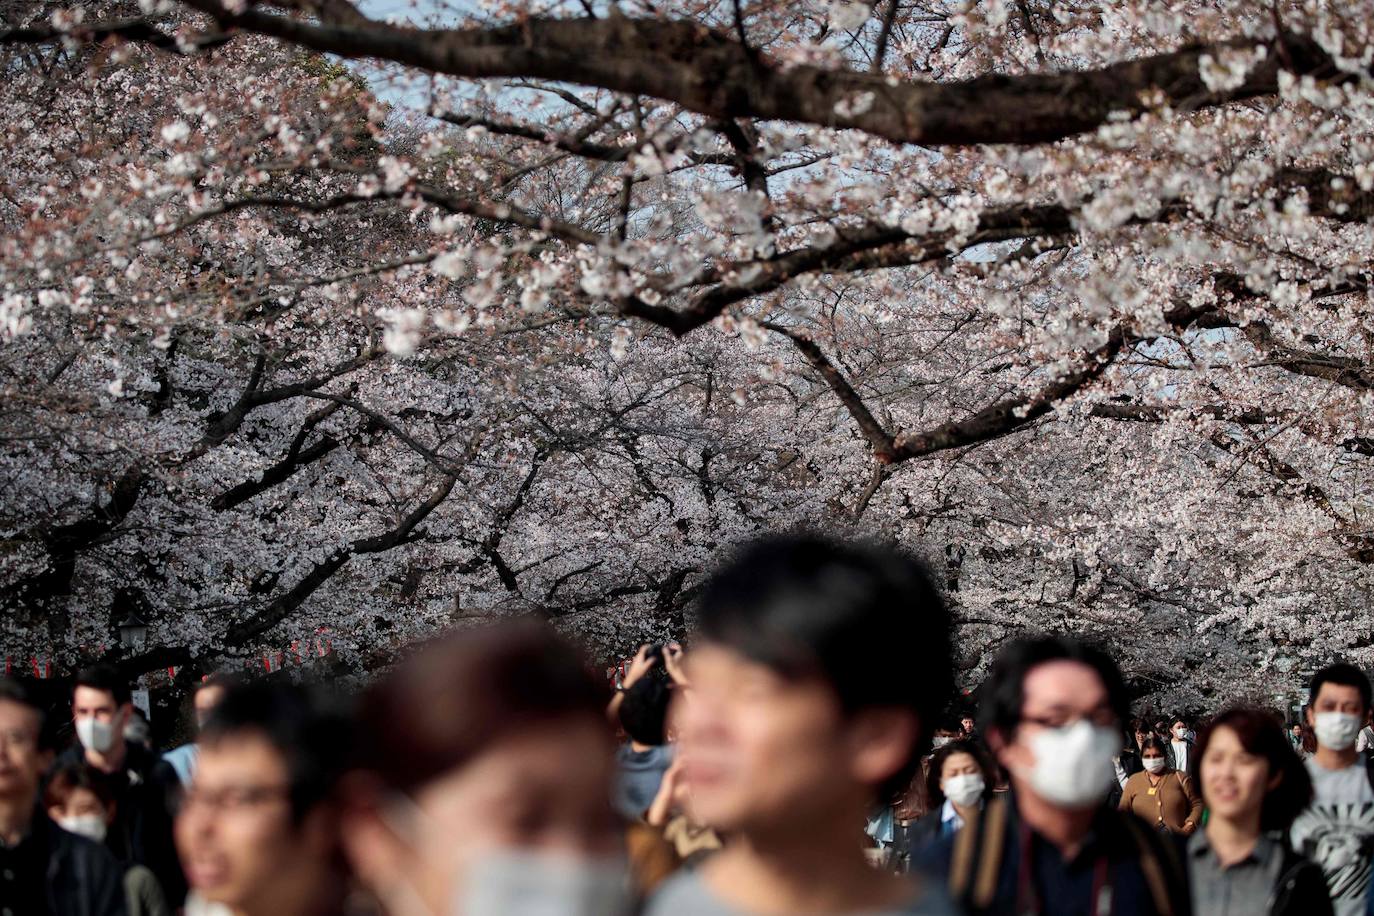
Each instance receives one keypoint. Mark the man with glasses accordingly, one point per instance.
(1052, 715)
(258, 829)
(43, 868)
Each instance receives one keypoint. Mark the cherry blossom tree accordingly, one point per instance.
(543, 306)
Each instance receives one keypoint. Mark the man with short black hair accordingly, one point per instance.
(1337, 829)
(43, 868)
(1052, 714)
(258, 830)
(813, 689)
(144, 785)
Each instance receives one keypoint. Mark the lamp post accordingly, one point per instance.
(133, 632)
(133, 636)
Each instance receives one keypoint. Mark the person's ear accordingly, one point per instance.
(1308, 715)
(881, 742)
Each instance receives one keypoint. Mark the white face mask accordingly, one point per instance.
(1180, 733)
(87, 825)
(94, 734)
(1336, 730)
(940, 742)
(1073, 765)
(518, 882)
(1153, 764)
(965, 789)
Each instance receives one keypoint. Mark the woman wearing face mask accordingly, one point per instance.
(80, 799)
(958, 784)
(483, 785)
(1161, 796)
(1255, 786)
(1180, 749)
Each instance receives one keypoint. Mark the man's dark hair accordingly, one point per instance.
(309, 731)
(1179, 719)
(1343, 674)
(866, 621)
(644, 710)
(106, 678)
(1004, 695)
(21, 693)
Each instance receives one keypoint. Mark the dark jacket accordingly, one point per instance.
(1130, 762)
(983, 863)
(1301, 888)
(1190, 768)
(142, 830)
(60, 873)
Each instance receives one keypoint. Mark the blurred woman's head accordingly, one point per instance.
(817, 678)
(1247, 769)
(960, 772)
(484, 761)
(1153, 755)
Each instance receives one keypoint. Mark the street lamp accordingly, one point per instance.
(133, 632)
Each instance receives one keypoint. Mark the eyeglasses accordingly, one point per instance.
(234, 798)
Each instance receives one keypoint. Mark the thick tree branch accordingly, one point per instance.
(710, 71)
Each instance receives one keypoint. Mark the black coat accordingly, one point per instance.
(142, 830)
(1301, 888)
(53, 871)
(1190, 765)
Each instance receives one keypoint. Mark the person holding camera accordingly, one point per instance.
(640, 708)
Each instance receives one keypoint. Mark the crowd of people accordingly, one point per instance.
(798, 758)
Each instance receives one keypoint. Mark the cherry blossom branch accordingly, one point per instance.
(284, 605)
(708, 70)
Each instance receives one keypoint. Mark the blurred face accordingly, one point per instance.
(1180, 731)
(205, 701)
(762, 752)
(21, 762)
(1057, 694)
(959, 764)
(967, 723)
(1234, 781)
(1140, 738)
(545, 789)
(1336, 698)
(80, 803)
(235, 833)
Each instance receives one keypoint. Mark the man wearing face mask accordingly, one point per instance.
(43, 868)
(1052, 715)
(141, 833)
(1337, 829)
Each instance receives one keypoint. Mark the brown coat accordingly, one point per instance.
(1172, 803)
